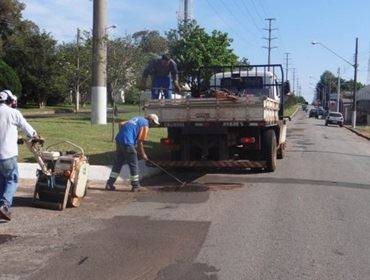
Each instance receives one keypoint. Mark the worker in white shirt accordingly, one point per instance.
(10, 120)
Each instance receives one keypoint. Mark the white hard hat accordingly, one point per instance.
(10, 94)
(3, 96)
(154, 118)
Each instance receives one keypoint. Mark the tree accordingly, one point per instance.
(329, 84)
(123, 65)
(150, 42)
(77, 75)
(9, 79)
(10, 18)
(192, 47)
(33, 55)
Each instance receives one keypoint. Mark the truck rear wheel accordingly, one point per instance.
(269, 148)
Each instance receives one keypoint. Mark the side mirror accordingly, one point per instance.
(286, 88)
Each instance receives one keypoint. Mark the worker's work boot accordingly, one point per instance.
(5, 212)
(110, 187)
(135, 187)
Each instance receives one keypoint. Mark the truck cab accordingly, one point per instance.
(248, 83)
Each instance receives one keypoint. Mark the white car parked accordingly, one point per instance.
(334, 118)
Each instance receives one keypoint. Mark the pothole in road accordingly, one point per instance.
(202, 187)
(6, 237)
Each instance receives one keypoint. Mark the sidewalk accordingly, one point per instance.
(363, 135)
(96, 172)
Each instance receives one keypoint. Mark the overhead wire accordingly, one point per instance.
(237, 18)
(247, 42)
(255, 8)
(250, 15)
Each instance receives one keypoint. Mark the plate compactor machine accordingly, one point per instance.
(63, 175)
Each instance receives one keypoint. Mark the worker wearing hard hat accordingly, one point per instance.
(10, 121)
(132, 134)
(11, 100)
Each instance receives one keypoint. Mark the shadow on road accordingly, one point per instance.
(22, 201)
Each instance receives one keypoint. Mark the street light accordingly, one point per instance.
(355, 66)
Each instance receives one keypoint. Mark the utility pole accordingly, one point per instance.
(293, 79)
(368, 69)
(99, 64)
(355, 86)
(286, 65)
(269, 48)
(338, 91)
(186, 11)
(297, 86)
(78, 72)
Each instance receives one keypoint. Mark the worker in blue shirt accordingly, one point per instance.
(10, 120)
(160, 70)
(132, 133)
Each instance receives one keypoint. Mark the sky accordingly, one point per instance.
(333, 23)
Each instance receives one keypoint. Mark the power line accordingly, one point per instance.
(230, 27)
(260, 2)
(255, 8)
(236, 17)
(250, 15)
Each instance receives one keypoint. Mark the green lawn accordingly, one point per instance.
(96, 140)
(288, 111)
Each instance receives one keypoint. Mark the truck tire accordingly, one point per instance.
(270, 151)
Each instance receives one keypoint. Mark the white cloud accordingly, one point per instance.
(62, 17)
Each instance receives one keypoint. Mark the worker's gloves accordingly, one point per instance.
(37, 139)
(176, 86)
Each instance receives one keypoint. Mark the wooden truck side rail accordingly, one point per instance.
(215, 110)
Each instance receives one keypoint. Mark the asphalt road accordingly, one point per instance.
(308, 220)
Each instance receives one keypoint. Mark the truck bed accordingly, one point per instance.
(240, 109)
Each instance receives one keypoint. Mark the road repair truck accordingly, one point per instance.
(233, 119)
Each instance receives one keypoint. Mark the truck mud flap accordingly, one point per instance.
(228, 164)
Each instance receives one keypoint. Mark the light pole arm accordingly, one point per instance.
(333, 52)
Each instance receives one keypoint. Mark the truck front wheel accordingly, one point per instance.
(269, 149)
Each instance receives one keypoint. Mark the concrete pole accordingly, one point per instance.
(355, 86)
(99, 64)
(78, 72)
(338, 91)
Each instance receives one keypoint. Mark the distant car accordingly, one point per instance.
(334, 118)
(313, 113)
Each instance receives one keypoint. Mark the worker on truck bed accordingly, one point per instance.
(10, 120)
(133, 132)
(160, 70)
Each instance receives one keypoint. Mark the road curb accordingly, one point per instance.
(295, 112)
(96, 172)
(358, 133)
